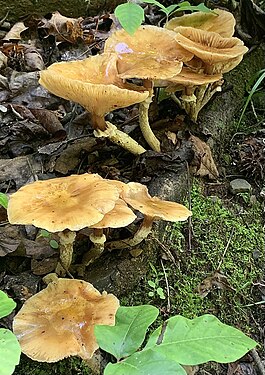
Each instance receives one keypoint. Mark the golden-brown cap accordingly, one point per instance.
(152, 40)
(210, 47)
(73, 202)
(138, 197)
(219, 21)
(188, 77)
(120, 216)
(147, 66)
(59, 321)
(93, 83)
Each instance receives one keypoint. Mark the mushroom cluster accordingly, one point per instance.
(189, 55)
(59, 321)
(67, 204)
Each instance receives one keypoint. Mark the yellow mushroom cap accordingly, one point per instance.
(72, 202)
(120, 216)
(93, 83)
(152, 40)
(188, 77)
(219, 21)
(137, 196)
(146, 66)
(210, 47)
(59, 321)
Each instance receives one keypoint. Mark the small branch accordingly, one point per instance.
(167, 286)
(225, 250)
(258, 361)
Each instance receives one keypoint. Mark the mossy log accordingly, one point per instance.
(17, 9)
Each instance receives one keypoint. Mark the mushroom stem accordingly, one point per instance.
(120, 138)
(144, 230)
(145, 126)
(66, 252)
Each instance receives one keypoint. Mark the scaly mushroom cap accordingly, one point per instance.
(187, 77)
(138, 197)
(119, 217)
(210, 47)
(93, 83)
(59, 321)
(146, 66)
(72, 202)
(219, 21)
(155, 42)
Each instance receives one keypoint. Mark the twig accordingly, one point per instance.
(258, 361)
(189, 219)
(225, 250)
(165, 249)
(167, 286)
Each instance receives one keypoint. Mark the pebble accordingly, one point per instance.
(239, 185)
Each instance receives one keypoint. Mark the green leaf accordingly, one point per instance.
(3, 200)
(151, 284)
(44, 233)
(151, 294)
(130, 16)
(9, 352)
(128, 334)
(54, 244)
(7, 305)
(203, 8)
(145, 362)
(199, 340)
(157, 3)
(160, 292)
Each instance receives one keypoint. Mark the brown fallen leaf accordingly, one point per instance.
(15, 31)
(216, 281)
(191, 370)
(49, 120)
(203, 163)
(64, 29)
(32, 59)
(243, 368)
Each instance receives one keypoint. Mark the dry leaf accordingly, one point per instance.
(15, 31)
(33, 59)
(63, 28)
(203, 163)
(215, 281)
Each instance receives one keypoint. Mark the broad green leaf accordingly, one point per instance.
(203, 8)
(7, 305)
(151, 284)
(130, 16)
(9, 352)
(3, 200)
(171, 8)
(199, 340)
(128, 334)
(143, 363)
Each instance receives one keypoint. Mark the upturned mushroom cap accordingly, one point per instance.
(120, 216)
(146, 66)
(152, 41)
(210, 47)
(187, 77)
(219, 21)
(72, 202)
(59, 321)
(137, 196)
(93, 83)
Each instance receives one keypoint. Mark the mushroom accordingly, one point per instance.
(150, 53)
(219, 21)
(220, 55)
(63, 205)
(193, 85)
(136, 195)
(94, 83)
(59, 321)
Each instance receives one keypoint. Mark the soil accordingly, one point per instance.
(213, 263)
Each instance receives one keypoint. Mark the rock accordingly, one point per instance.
(239, 185)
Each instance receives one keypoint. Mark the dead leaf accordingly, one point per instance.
(44, 266)
(203, 163)
(216, 281)
(50, 122)
(191, 370)
(243, 368)
(9, 240)
(32, 59)
(15, 31)
(63, 28)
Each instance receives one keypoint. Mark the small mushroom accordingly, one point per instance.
(94, 83)
(219, 54)
(136, 195)
(62, 205)
(219, 21)
(59, 321)
(151, 53)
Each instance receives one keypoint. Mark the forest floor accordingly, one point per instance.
(213, 263)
